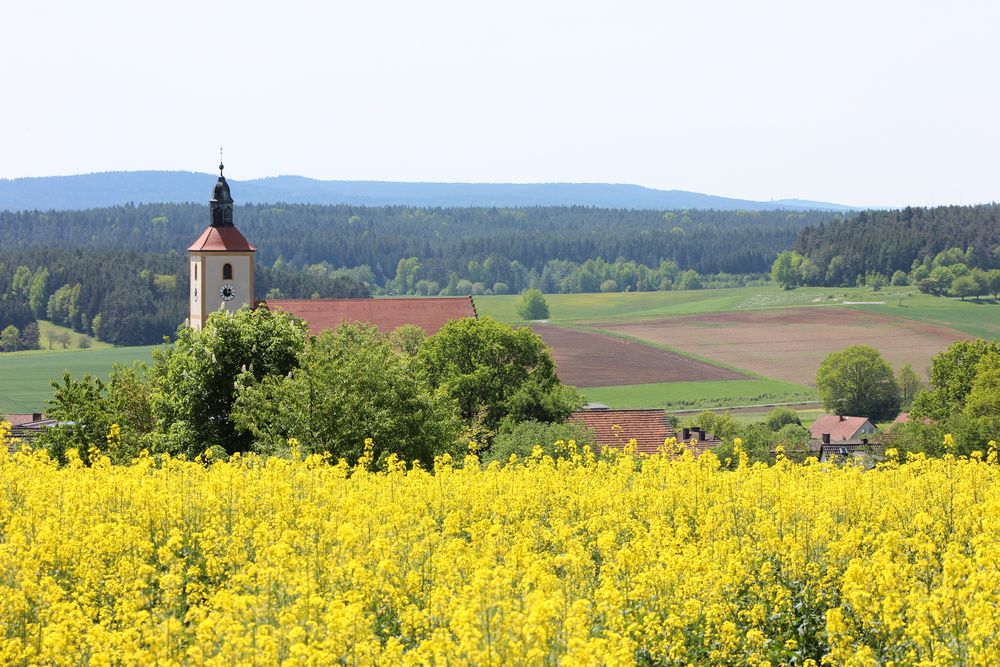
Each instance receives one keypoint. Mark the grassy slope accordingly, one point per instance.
(980, 319)
(47, 329)
(25, 376)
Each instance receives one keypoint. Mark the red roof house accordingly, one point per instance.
(649, 428)
(841, 427)
(430, 314)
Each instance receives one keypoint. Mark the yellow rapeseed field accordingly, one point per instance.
(667, 560)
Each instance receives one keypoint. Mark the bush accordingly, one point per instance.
(533, 306)
(520, 438)
(779, 417)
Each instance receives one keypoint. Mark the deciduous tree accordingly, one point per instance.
(533, 305)
(494, 371)
(858, 381)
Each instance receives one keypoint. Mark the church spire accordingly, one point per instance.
(221, 204)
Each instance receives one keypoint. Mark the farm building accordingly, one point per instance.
(430, 314)
(649, 428)
(840, 427)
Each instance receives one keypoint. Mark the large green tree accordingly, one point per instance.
(533, 305)
(858, 381)
(952, 374)
(494, 372)
(196, 378)
(350, 385)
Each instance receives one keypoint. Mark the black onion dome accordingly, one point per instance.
(221, 204)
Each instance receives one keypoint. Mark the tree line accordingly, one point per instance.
(485, 246)
(257, 381)
(900, 247)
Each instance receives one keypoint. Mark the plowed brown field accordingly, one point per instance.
(790, 344)
(588, 359)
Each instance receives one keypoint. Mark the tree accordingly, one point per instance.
(791, 436)
(993, 276)
(494, 371)
(786, 270)
(533, 305)
(909, 384)
(407, 339)
(350, 385)
(521, 438)
(10, 339)
(88, 408)
(195, 379)
(982, 406)
(858, 381)
(781, 416)
(964, 286)
(689, 280)
(29, 336)
(38, 294)
(952, 374)
(21, 283)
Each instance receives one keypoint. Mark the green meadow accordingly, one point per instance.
(708, 394)
(25, 377)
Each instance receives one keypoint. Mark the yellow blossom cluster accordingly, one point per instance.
(576, 561)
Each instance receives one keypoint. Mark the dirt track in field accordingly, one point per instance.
(588, 359)
(790, 344)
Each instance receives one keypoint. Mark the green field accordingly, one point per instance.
(25, 376)
(976, 318)
(684, 395)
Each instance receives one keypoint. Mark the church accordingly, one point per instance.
(221, 264)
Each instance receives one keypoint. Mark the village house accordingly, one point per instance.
(649, 428)
(840, 427)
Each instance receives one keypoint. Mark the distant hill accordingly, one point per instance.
(115, 188)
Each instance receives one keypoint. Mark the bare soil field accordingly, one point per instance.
(790, 344)
(588, 359)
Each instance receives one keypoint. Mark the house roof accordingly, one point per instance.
(840, 427)
(19, 418)
(430, 314)
(221, 239)
(649, 428)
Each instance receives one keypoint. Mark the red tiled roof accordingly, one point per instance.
(839, 427)
(430, 314)
(222, 239)
(18, 418)
(649, 428)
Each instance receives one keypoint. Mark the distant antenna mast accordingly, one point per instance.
(221, 166)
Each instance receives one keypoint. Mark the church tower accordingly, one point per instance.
(220, 262)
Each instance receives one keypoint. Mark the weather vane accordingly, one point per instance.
(220, 161)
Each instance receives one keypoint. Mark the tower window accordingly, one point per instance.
(196, 272)
(227, 271)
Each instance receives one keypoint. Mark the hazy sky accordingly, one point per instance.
(867, 103)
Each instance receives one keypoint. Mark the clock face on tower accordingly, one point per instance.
(227, 292)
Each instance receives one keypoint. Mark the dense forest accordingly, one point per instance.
(876, 246)
(123, 297)
(518, 242)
